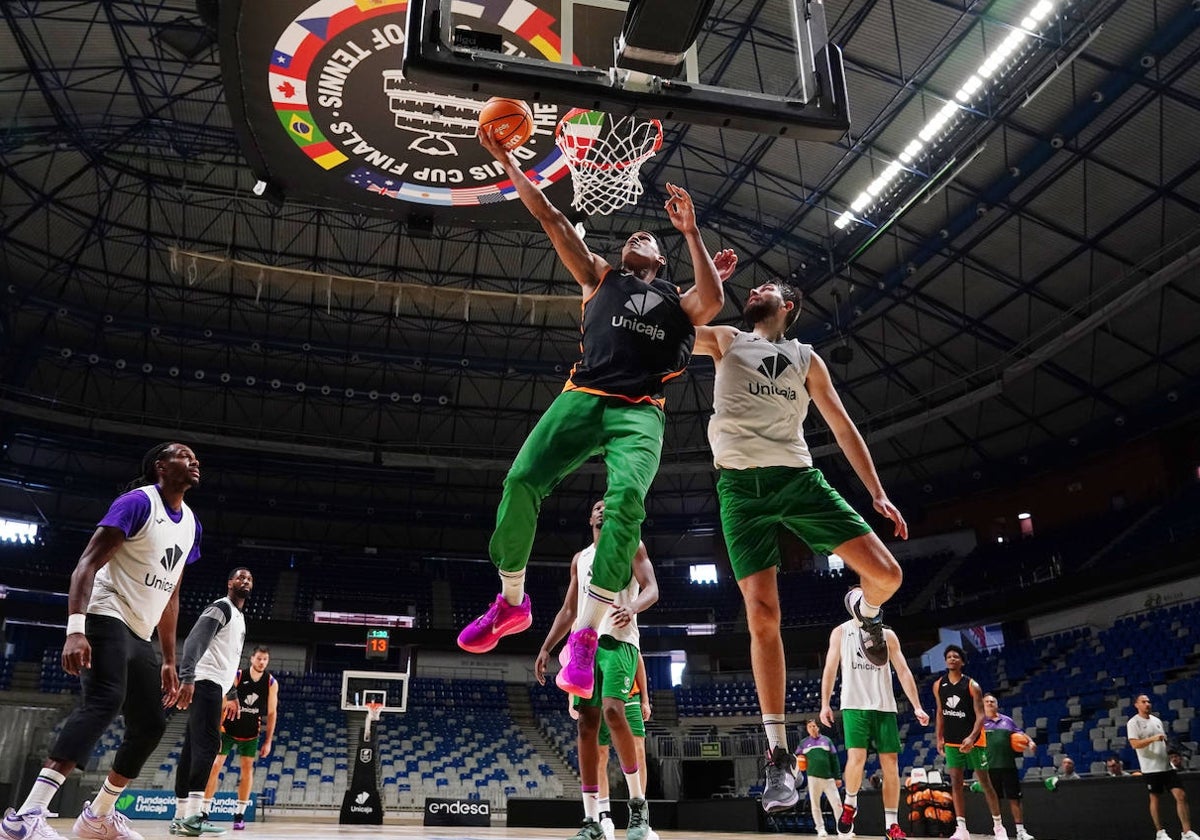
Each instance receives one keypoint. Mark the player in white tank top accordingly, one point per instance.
(125, 584)
(764, 385)
(616, 656)
(868, 704)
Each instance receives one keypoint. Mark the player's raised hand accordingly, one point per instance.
(680, 209)
(725, 261)
(495, 147)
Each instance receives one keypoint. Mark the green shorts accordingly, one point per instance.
(247, 748)
(755, 502)
(616, 667)
(867, 728)
(633, 714)
(976, 759)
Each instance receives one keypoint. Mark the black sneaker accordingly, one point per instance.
(871, 636)
(779, 793)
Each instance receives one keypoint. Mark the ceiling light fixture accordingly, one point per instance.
(948, 113)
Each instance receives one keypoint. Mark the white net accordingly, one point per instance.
(605, 155)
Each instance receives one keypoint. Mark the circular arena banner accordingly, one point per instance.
(324, 114)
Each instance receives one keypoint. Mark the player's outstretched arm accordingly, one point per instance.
(704, 300)
(587, 268)
(820, 388)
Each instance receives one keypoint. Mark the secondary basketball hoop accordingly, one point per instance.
(605, 156)
(374, 711)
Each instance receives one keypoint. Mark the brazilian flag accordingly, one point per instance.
(301, 127)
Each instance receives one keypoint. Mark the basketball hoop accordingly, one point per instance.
(605, 155)
(374, 712)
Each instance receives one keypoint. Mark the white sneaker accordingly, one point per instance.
(960, 833)
(1022, 834)
(610, 830)
(1162, 835)
(111, 826)
(1000, 833)
(1189, 835)
(30, 826)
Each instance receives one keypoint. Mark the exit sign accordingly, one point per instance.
(377, 644)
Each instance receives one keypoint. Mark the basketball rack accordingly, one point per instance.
(450, 58)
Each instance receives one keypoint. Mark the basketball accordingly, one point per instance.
(802, 762)
(1019, 742)
(510, 120)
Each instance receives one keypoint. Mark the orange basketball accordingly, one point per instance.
(802, 762)
(1019, 742)
(510, 120)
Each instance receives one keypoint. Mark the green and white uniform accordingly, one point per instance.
(617, 651)
(767, 478)
(868, 700)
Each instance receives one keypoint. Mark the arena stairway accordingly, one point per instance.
(521, 710)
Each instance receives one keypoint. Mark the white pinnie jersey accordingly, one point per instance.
(865, 686)
(759, 404)
(1154, 758)
(136, 583)
(628, 633)
(219, 663)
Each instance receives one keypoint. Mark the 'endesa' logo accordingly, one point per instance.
(459, 808)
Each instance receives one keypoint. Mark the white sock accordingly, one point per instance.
(997, 822)
(180, 808)
(1020, 827)
(242, 805)
(44, 787)
(512, 586)
(605, 805)
(776, 731)
(962, 822)
(106, 799)
(852, 799)
(591, 803)
(634, 779)
(598, 603)
(889, 818)
(867, 609)
(195, 803)
(207, 806)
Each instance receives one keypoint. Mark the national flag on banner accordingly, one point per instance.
(300, 126)
(288, 92)
(281, 60)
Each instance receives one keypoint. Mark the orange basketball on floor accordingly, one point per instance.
(510, 120)
(1019, 742)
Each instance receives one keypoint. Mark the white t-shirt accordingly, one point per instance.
(1153, 759)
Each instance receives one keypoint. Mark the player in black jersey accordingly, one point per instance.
(249, 728)
(637, 333)
(960, 716)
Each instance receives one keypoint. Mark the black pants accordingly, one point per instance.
(203, 740)
(125, 677)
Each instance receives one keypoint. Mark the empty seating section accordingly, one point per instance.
(457, 739)
(474, 586)
(354, 586)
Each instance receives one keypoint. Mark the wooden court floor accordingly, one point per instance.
(289, 829)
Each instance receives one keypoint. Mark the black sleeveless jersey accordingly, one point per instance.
(252, 698)
(636, 337)
(958, 709)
